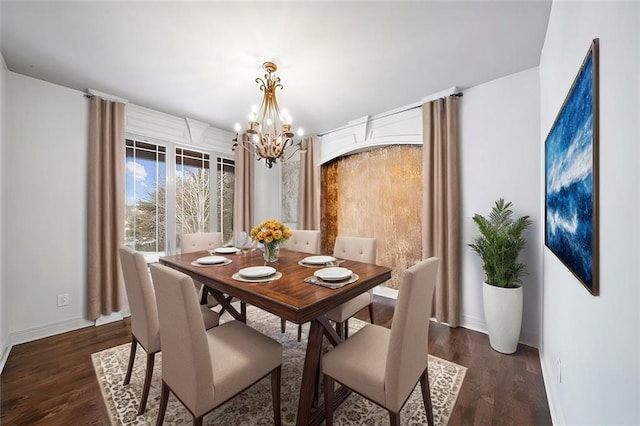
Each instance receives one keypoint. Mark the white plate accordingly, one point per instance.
(333, 274)
(226, 250)
(318, 260)
(211, 260)
(257, 271)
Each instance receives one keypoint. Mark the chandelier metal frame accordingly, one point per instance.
(269, 134)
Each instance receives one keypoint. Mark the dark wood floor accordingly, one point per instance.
(51, 381)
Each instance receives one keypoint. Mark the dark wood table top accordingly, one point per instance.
(289, 297)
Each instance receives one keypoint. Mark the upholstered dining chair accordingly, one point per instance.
(200, 241)
(306, 241)
(384, 365)
(361, 250)
(206, 368)
(145, 327)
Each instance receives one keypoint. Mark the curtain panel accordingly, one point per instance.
(243, 200)
(105, 210)
(441, 203)
(309, 188)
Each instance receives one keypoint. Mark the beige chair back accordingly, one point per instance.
(200, 241)
(408, 341)
(186, 361)
(142, 299)
(355, 248)
(307, 241)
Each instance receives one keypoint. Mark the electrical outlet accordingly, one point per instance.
(559, 369)
(63, 299)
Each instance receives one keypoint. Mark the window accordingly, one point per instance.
(170, 195)
(145, 195)
(193, 205)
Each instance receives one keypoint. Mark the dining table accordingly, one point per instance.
(291, 297)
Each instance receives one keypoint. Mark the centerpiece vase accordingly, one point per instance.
(270, 251)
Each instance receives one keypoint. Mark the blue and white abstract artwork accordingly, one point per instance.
(569, 179)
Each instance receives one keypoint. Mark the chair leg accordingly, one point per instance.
(346, 329)
(339, 327)
(394, 418)
(132, 358)
(243, 310)
(426, 396)
(147, 383)
(299, 332)
(197, 421)
(164, 399)
(283, 325)
(276, 377)
(371, 313)
(328, 400)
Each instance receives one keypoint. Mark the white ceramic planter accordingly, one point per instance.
(503, 314)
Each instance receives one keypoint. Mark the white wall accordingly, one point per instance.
(267, 194)
(596, 339)
(500, 157)
(4, 329)
(45, 206)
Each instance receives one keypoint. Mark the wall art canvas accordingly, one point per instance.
(571, 177)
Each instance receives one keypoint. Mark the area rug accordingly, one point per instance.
(253, 406)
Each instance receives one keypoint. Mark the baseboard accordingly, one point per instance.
(473, 323)
(6, 349)
(36, 333)
(106, 319)
(476, 324)
(388, 292)
(556, 414)
(60, 327)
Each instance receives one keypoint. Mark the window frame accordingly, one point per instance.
(171, 148)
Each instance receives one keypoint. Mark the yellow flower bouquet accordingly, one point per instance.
(271, 233)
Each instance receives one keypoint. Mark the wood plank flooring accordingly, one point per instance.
(51, 381)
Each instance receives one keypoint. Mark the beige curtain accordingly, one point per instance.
(243, 189)
(105, 221)
(441, 203)
(309, 189)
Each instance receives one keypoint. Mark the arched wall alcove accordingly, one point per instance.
(377, 193)
(371, 186)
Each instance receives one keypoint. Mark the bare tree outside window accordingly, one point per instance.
(193, 205)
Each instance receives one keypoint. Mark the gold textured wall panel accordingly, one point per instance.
(376, 194)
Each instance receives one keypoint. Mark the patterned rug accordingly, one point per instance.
(253, 406)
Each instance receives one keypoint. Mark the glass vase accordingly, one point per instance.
(270, 251)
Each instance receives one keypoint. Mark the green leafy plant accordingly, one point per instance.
(499, 244)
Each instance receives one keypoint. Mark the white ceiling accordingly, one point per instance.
(338, 61)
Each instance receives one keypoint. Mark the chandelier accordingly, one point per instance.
(269, 132)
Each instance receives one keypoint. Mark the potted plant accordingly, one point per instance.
(498, 245)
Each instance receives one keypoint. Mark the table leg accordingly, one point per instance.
(226, 305)
(311, 364)
(203, 297)
(310, 373)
